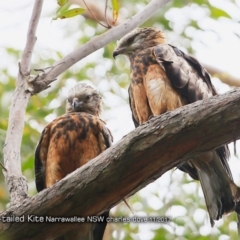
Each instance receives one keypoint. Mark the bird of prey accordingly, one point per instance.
(163, 78)
(69, 142)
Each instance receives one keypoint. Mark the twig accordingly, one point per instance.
(94, 15)
(125, 201)
(3, 167)
(105, 14)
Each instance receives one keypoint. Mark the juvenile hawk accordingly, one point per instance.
(163, 78)
(69, 142)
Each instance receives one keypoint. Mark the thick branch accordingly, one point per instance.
(16, 183)
(96, 43)
(135, 161)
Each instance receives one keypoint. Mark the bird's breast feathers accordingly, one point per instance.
(69, 142)
(161, 95)
(152, 91)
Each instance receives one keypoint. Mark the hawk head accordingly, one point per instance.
(139, 39)
(84, 98)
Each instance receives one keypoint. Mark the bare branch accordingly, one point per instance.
(100, 41)
(95, 18)
(31, 38)
(16, 183)
(135, 161)
(223, 76)
(106, 14)
(100, 12)
(3, 167)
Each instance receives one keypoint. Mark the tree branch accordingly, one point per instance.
(223, 76)
(31, 38)
(100, 14)
(44, 79)
(135, 161)
(16, 183)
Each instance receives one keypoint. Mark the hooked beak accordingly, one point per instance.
(115, 53)
(76, 103)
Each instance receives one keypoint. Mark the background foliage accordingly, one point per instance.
(208, 29)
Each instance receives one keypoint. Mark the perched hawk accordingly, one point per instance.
(69, 142)
(163, 78)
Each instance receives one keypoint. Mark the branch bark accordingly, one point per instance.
(44, 79)
(132, 163)
(16, 183)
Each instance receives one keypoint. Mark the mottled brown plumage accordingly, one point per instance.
(70, 141)
(163, 78)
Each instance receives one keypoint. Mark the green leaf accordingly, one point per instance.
(69, 13)
(201, 2)
(217, 13)
(62, 2)
(115, 7)
(62, 9)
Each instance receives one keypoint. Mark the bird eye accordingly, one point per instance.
(130, 40)
(88, 97)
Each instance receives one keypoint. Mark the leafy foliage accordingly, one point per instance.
(64, 11)
(115, 10)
